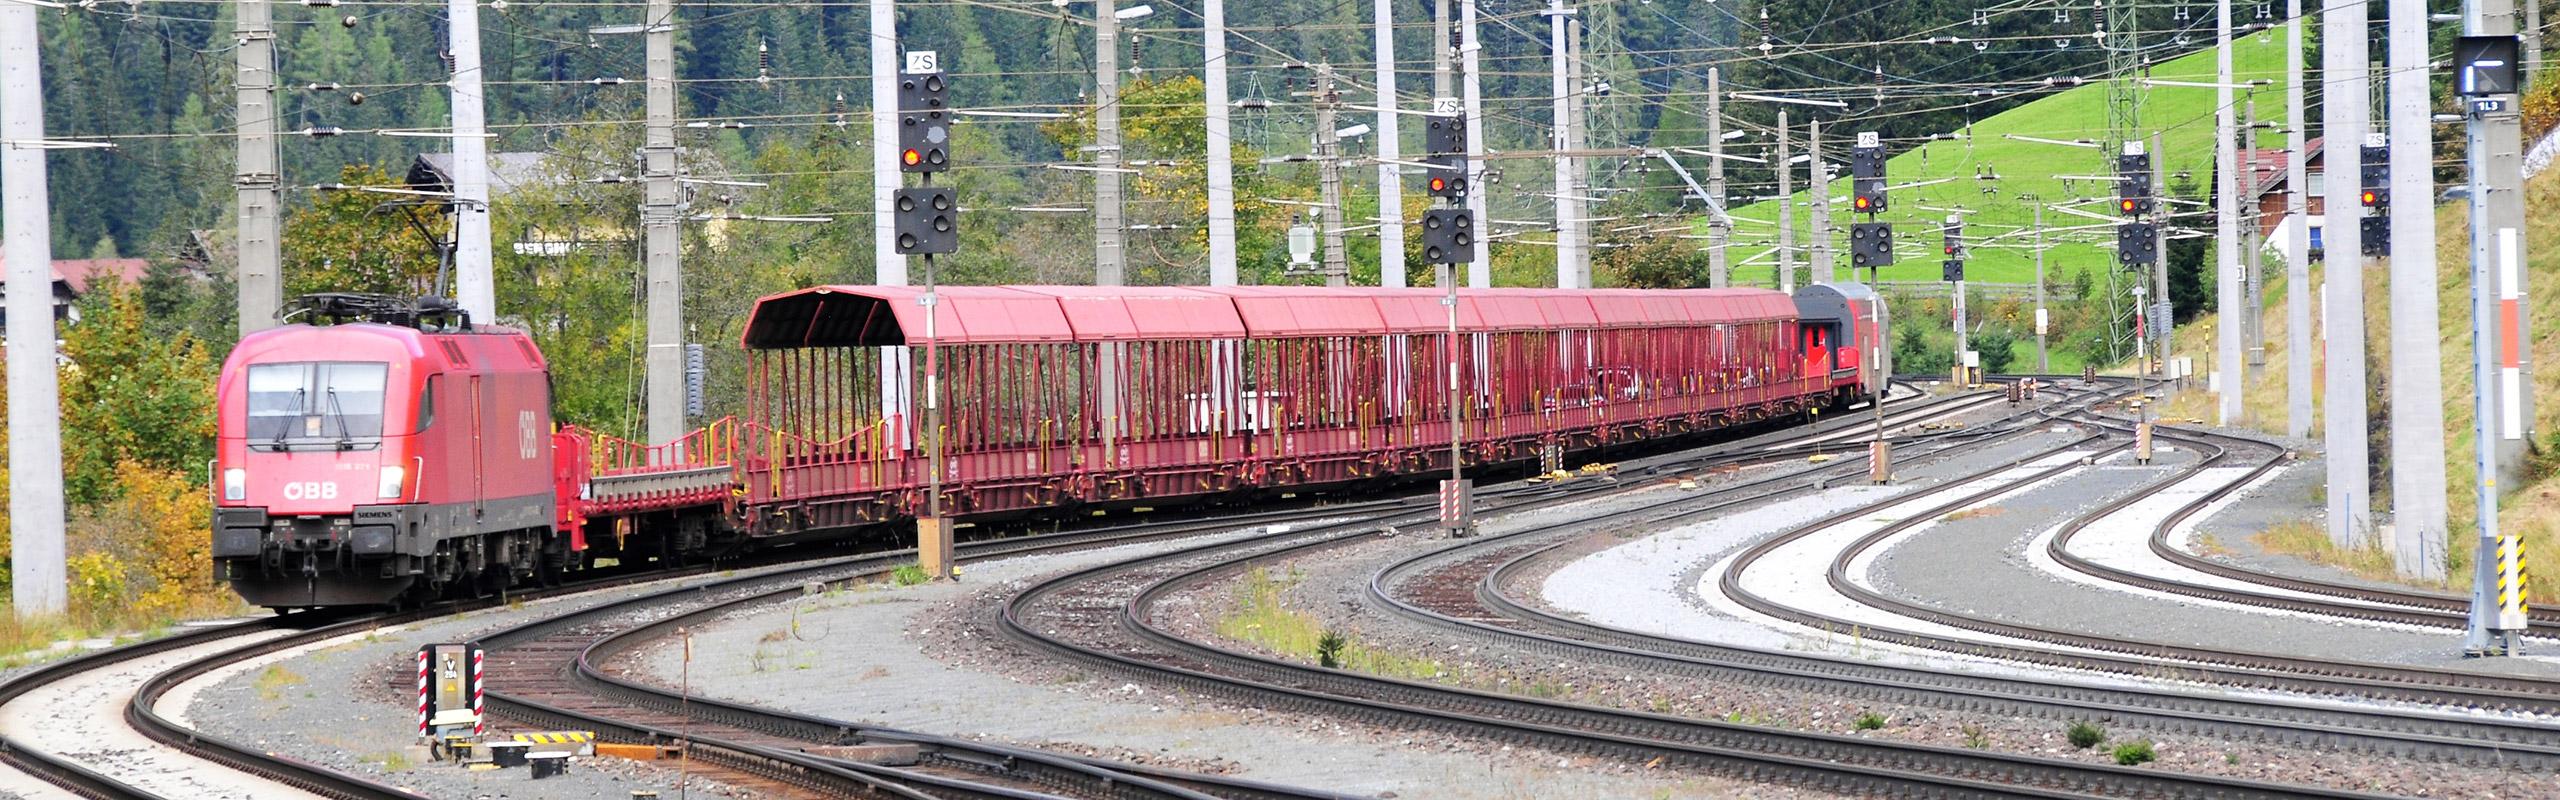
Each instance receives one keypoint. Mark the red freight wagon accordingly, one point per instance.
(1057, 397)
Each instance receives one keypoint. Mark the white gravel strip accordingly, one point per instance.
(1793, 574)
(2123, 540)
(1636, 586)
(82, 719)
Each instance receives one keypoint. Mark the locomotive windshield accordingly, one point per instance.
(315, 405)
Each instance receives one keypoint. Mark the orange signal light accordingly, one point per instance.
(2125, 205)
(2369, 197)
(1864, 203)
(911, 157)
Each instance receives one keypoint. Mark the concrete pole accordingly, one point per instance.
(2227, 360)
(889, 268)
(1337, 265)
(1818, 200)
(1110, 226)
(1786, 211)
(1577, 126)
(37, 586)
(1719, 232)
(1480, 270)
(2531, 34)
(2343, 99)
(1442, 74)
(661, 234)
(473, 271)
(2297, 209)
(1390, 176)
(2418, 502)
(261, 170)
(2044, 354)
(1222, 168)
(1559, 140)
(2160, 334)
(2253, 273)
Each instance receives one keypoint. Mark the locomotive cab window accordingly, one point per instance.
(316, 405)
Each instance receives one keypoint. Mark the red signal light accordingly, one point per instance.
(2125, 206)
(911, 157)
(2369, 198)
(1864, 203)
(1439, 184)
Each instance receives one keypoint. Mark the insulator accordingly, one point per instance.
(1981, 18)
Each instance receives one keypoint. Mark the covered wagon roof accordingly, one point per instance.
(870, 316)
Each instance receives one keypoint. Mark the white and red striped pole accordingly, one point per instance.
(479, 722)
(422, 691)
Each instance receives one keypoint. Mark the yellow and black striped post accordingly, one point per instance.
(2511, 583)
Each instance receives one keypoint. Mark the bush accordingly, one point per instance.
(2085, 735)
(1870, 721)
(2131, 753)
(1329, 649)
(909, 575)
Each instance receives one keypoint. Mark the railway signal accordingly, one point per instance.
(2133, 184)
(924, 124)
(928, 220)
(1448, 236)
(1870, 244)
(2134, 245)
(1953, 267)
(1866, 179)
(1445, 142)
(2375, 177)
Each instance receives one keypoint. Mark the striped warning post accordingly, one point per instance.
(479, 719)
(2511, 582)
(422, 692)
(556, 737)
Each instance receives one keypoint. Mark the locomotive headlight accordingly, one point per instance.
(235, 484)
(391, 483)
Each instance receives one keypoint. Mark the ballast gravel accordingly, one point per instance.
(926, 658)
(351, 705)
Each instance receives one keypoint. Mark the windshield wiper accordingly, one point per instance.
(286, 430)
(346, 438)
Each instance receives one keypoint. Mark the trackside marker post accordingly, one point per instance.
(450, 700)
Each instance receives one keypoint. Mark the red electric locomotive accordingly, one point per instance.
(409, 454)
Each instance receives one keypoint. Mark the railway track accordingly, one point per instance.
(147, 755)
(2125, 655)
(2370, 603)
(1462, 588)
(550, 673)
(1100, 616)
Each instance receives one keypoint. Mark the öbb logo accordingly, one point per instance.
(311, 490)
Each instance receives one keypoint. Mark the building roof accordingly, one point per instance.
(2271, 165)
(507, 172)
(870, 316)
(78, 273)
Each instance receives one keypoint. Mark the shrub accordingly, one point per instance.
(1975, 737)
(2131, 753)
(1329, 649)
(1870, 721)
(2085, 735)
(909, 574)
